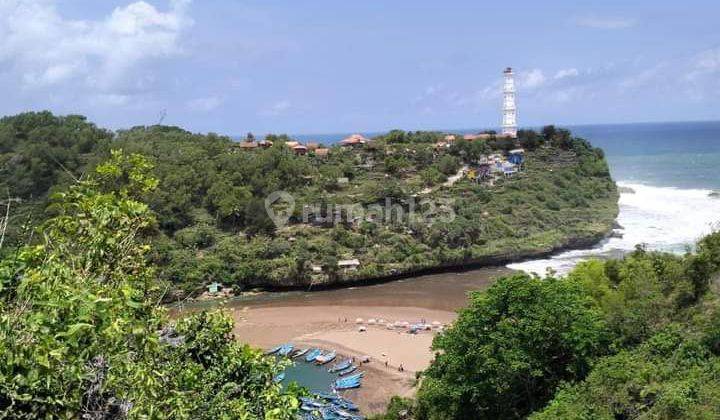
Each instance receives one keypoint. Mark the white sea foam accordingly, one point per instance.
(662, 218)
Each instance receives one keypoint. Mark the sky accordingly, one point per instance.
(310, 66)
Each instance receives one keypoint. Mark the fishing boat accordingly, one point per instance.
(340, 366)
(355, 376)
(285, 349)
(348, 370)
(299, 352)
(279, 377)
(348, 385)
(325, 358)
(273, 350)
(312, 355)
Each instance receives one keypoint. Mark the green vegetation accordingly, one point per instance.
(617, 339)
(210, 200)
(81, 332)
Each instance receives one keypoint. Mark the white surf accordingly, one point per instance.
(660, 218)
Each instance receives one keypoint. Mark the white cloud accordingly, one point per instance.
(44, 48)
(531, 79)
(566, 73)
(597, 22)
(207, 104)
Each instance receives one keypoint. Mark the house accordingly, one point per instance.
(356, 140)
(312, 145)
(348, 265)
(265, 144)
(450, 138)
(322, 152)
(248, 145)
(292, 144)
(300, 149)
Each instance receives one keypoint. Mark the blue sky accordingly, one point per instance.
(338, 66)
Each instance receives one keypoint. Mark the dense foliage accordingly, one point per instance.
(81, 332)
(212, 223)
(630, 338)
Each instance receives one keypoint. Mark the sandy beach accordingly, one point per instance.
(327, 319)
(335, 327)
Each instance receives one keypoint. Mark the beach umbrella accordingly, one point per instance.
(371, 321)
(358, 320)
(381, 321)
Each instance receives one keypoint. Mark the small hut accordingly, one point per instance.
(354, 141)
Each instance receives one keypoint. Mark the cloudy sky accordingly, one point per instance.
(233, 66)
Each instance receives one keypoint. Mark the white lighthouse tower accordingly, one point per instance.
(509, 121)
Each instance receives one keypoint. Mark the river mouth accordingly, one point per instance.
(446, 291)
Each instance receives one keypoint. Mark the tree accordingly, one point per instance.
(510, 349)
(81, 334)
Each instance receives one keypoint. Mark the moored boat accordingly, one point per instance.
(325, 358)
(299, 352)
(285, 349)
(350, 369)
(273, 350)
(312, 355)
(279, 377)
(340, 366)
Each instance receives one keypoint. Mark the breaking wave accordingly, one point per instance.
(662, 218)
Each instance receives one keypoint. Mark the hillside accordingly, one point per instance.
(213, 224)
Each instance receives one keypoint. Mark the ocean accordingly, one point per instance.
(667, 171)
(671, 169)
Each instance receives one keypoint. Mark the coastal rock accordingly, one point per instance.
(714, 194)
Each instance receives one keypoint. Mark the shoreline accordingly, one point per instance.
(334, 327)
(492, 261)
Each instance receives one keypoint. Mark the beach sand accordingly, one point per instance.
(334, 327)
(327, 319)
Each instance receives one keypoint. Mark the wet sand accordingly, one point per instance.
(327, 319)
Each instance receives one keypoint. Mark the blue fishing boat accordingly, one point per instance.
(312, 355)
(340, 366)
(280, 377)
(348, 385)
(348, 370)
(285, 349)
(325, 358)
(299, 352)
(273, 350)
(355, 376)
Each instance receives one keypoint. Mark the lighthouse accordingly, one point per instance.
(509, 119)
